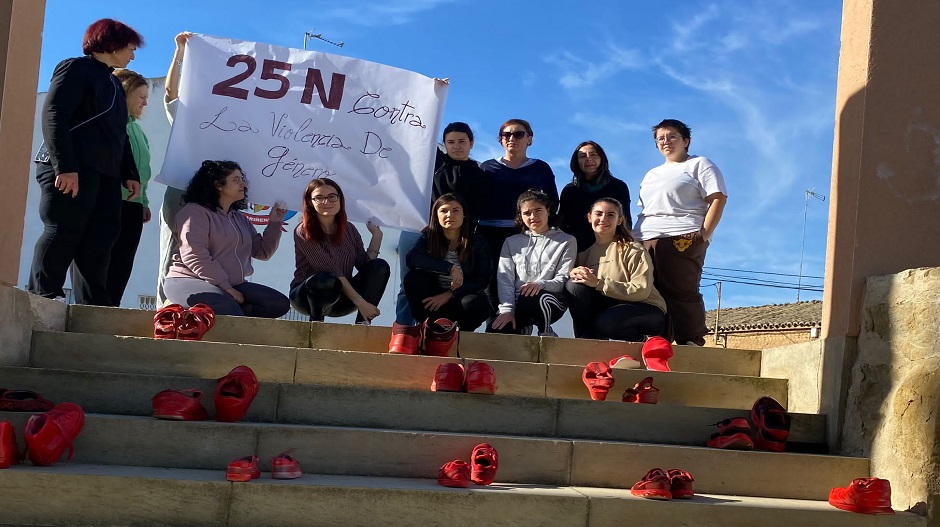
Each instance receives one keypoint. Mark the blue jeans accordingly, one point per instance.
(406, 242)
(260, 300)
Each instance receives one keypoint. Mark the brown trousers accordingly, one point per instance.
(677, 272)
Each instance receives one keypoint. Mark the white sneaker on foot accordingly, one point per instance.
(548, 333)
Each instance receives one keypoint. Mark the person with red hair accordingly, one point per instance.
(82, 163)
(327, 247)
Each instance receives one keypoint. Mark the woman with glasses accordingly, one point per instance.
(327, 247)
(680, 202)
(212, 263)
(592, 181)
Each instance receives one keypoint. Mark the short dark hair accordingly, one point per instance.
(534, 194)
(107, 35)
(458, 127)
(676, 125)
(203, 188)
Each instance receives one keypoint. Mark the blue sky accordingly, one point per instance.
(755, 80)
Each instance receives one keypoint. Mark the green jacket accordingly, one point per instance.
(141, 149)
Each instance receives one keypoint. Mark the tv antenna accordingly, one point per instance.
(809, 193)
(319, 36)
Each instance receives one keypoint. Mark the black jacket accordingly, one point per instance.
(477, 270)
(460, 177)
(576, 203)
(81, 89)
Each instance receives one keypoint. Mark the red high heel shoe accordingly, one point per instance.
(483, 462)
(642, 392)
(598, 379)
(166, 321)
(455, 473)
(481, 378)
(48, 435)
(234, 393)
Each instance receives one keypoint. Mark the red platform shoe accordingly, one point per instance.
(733, 434)
(680, 483)
(642, 392)
(439, 337)
(864, 495)
(285, 466)
(772, 423)
(195, 322)
(598, 379)
(179, 405)
(483, 464)
(234, 393)
(656, 354)
(454, 474)
(9, 454)
(166, 321)
(243, 469)
(48, 435)
(405, 339)
(655, 485)
(481, 378)
(23, 401)
(448, 377)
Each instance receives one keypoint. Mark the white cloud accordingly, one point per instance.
(393, 12)
(579, 72)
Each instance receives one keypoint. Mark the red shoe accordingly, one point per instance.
(179, 405)
(48, 435)
(439, 337)
(454, 474)
(598, 379)
(654, 485)
(483, 461)
(448, 378)
(285, 466)
(195, 322)
(772, 423)
(9, 454)
(642, 392)
(680, 483)
(733, 434)
(166, 321)
(243, 469)
(24, 401)
(480, 378)
(405, 339)
(656, 354)
(864, 495)
(234, 393)
(624, 362)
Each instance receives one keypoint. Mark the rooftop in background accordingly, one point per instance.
(774, 316)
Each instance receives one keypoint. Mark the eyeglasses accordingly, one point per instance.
(320, 200)
(241, 180)
(668, 138)
(515, 135)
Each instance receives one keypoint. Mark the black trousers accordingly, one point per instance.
(677, 269)
(321, 294)
(123, 253)
(82, 229)
(469, 311)
(541, 311)
(495, 236)
(596, 316)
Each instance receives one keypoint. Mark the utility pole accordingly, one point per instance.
(718, 313)
(820, 197)
(319, 36)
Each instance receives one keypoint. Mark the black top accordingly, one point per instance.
(477, 270)
(502, 186)
(459, 177)
(83, 88)
(576, 201)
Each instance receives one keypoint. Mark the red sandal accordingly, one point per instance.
(243, 469)
(195, 322)
(642, 392)
(455, 473)
(483, 462)
(166, 321)
(234, 394)
(733, 433)
(655, 485)
(24, 401)
(598, 379)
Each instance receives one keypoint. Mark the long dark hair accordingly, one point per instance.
(311, 225)
(534, 194)
(437, 241)
(622, 234)
(203, 188)
(603, 171)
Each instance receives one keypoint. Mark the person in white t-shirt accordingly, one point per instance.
(680, 202)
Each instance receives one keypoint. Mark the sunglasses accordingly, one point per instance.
(515, 135)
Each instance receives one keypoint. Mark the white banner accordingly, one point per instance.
(288, 116)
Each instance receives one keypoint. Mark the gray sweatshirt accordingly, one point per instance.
(544, 259)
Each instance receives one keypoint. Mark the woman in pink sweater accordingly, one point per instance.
(217, 243)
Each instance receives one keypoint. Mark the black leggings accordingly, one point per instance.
(122, 255)
(596, 316)
(541, 311)
(321, 294)
(469, 311)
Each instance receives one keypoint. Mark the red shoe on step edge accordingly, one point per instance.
(481, 378)
(642, 392)
(234, 393)
(179, 405)
(624, 362)
(195, 322)
(405, 339)
(483, 462)
(656, 354)
(50, 434)
(733, 433)
(439, 337)
(655, 485)
(9, 453)
(864, 495)
(285, 466)
(23, 401)
(680, 483)
(243, 469)
(448, 377)
(772, 423)
(598, 379)
(166, 321)
(454, 474)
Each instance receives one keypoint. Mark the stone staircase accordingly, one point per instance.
(371, 436)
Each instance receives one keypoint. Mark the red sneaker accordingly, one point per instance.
(448, 378)
(598, 379)
(656, 354)
(48, 435)
(654, 485)
(243, 469)
(680, 483)
(24, 401)
(733, 434)
(234, 393)
(405, 339)
(480, 378)
(483, 461)
(195, 322)
(439, 337)
(642, 392)
(179, 405)
(864, 495)
(772, 423)
(454, 474)
(9, 454)
(285, 466)
(166, 321)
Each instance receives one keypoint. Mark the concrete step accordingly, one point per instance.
(245, 330)
(143, 441)
(78, 494)
(98, 352)
(130, 394)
